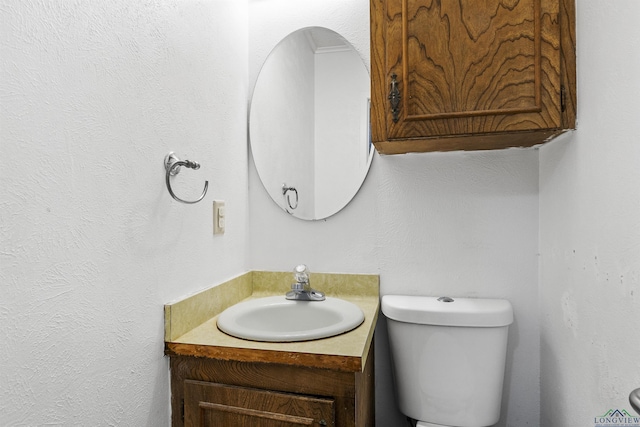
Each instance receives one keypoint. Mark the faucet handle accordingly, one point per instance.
(301, 273)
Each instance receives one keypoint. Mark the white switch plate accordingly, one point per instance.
(219, 216)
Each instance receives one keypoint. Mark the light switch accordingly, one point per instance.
(219, 216)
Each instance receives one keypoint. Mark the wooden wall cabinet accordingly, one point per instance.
(471, 75)
(209, 392)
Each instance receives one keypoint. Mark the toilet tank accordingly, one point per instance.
(448, 357)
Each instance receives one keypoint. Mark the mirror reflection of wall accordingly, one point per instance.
(309, 122)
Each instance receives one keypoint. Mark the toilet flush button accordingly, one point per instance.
(445, 299)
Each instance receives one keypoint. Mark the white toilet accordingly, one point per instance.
(448, 358)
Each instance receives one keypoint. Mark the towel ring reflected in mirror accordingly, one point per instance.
(285, 193)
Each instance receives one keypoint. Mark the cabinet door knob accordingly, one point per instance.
(394, 98)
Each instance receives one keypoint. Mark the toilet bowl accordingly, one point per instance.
(448, 357)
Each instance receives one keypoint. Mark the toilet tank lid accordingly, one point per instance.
(467, 312)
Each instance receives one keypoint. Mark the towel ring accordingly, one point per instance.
(172, 164)
(285, 190)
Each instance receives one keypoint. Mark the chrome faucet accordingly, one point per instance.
(301, 289)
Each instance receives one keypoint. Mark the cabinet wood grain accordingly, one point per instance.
(208, 391)
(213, 404)
(469, 74)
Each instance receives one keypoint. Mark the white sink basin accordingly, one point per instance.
(276, 319)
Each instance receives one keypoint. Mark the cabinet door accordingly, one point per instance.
(443, 68)
(217, 405)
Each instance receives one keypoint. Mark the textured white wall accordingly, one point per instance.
(590, 228)
(93, 95)
(462, 224)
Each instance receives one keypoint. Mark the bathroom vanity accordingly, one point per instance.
(217, 379)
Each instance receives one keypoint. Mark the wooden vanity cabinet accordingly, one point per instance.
(211, 404)
(231, 393)
(471, 75)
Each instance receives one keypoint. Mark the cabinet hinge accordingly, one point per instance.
(182, 410)
(563, 98)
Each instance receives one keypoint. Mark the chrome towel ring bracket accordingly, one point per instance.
(285, 190)
(172, 164)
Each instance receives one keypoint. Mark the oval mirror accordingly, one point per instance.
(309, 123)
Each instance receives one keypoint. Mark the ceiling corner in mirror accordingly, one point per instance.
(309, 123)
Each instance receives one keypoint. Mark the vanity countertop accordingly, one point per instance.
(190, 324)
